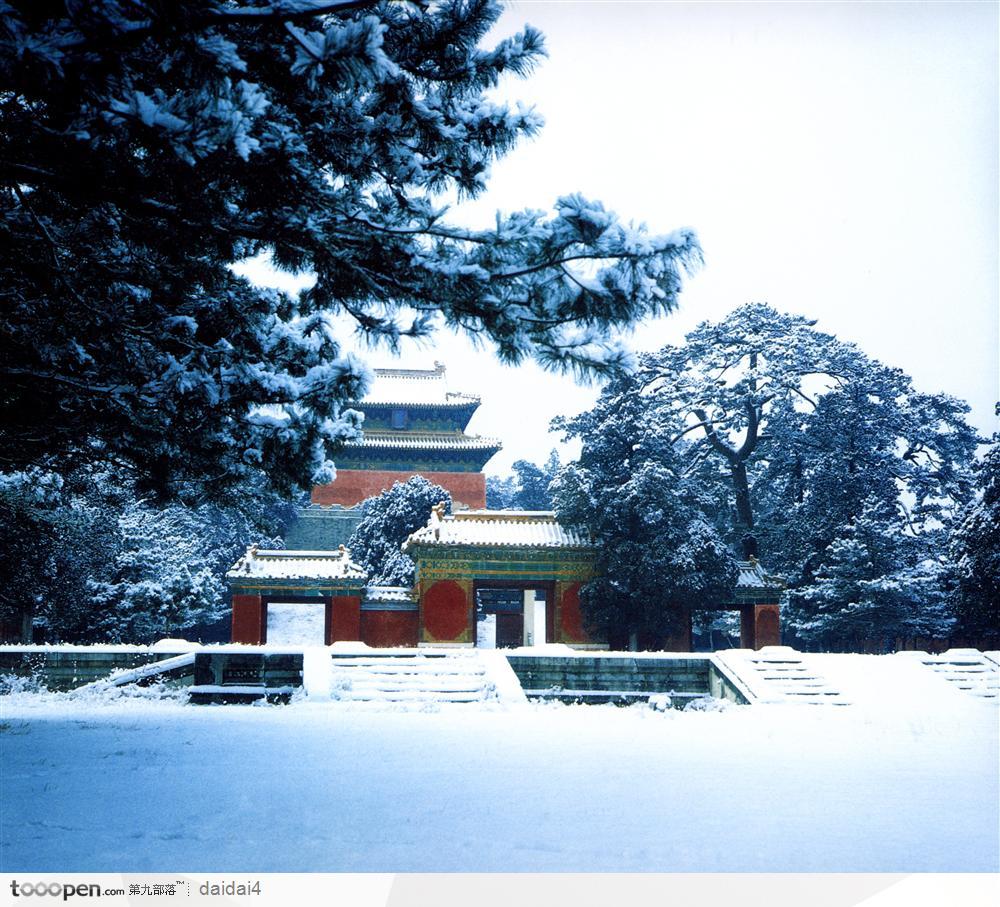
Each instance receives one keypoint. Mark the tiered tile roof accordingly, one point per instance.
(411, 387)
(498, 528)
(424, 440)
(267, 564)
(419, 391)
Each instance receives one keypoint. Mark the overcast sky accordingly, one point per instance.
(838, 160)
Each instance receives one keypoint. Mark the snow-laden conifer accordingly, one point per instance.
(148, 146)
(389, 518)
(798, 448)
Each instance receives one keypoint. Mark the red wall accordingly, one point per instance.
(760, 625)
(249, 620)
(343, 619)
(352, 486)
(768, 625)
(446, 612)
(386, 629)
(570, 619)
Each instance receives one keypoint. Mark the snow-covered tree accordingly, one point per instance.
(791, 437)
(86, 561)
(975, 551)
(500, 491)
(169, 571)
(773, 402)
(658, 556)
(874, 585)
(387, 521)
(53, 542)
(526, 489)
(145, 147)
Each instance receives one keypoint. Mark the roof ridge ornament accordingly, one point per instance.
(437, 517)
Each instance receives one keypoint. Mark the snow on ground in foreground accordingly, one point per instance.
(904, 780)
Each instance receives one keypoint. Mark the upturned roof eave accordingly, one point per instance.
(467, 402)
(412, 544)
(413, 441)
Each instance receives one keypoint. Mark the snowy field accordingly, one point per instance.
(902, 780)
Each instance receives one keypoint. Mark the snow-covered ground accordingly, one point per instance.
(904, 779)
(298, 624)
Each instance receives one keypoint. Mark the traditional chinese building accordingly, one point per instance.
(414, 425)
(538, 565)
(484, 578)
(459, 555)
(327, 584)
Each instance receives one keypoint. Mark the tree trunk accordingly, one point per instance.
(737, 459)
(744, 510)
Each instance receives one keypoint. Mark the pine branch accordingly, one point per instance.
(134, 32)
(728, 452)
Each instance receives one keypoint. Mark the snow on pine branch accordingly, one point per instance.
(154, 145)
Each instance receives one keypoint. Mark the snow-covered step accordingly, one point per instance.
(404, 684)
(415, 696)
(227, 694)
(407, 666)
(780, 674)
(440, 676)
(969, 670)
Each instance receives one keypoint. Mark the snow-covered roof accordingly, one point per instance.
(265, 564)
(752, 576)
(390, 594)
(414, 387)
(424, 440)
(503, 528)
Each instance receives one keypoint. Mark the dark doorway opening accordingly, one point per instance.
(501, 607)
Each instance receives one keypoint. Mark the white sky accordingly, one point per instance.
(838, 160)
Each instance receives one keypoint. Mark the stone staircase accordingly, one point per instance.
(969, 670)
(780, 674)
(401, 676)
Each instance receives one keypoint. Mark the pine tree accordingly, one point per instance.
(870, 589)
(533, 483)
(975, 552)
(790, 437)
(54, 541)
(658, 557)
(500, 491)
(148, 146)
(388, 520)
(526, 489)
(168, 574)
(86, 561)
